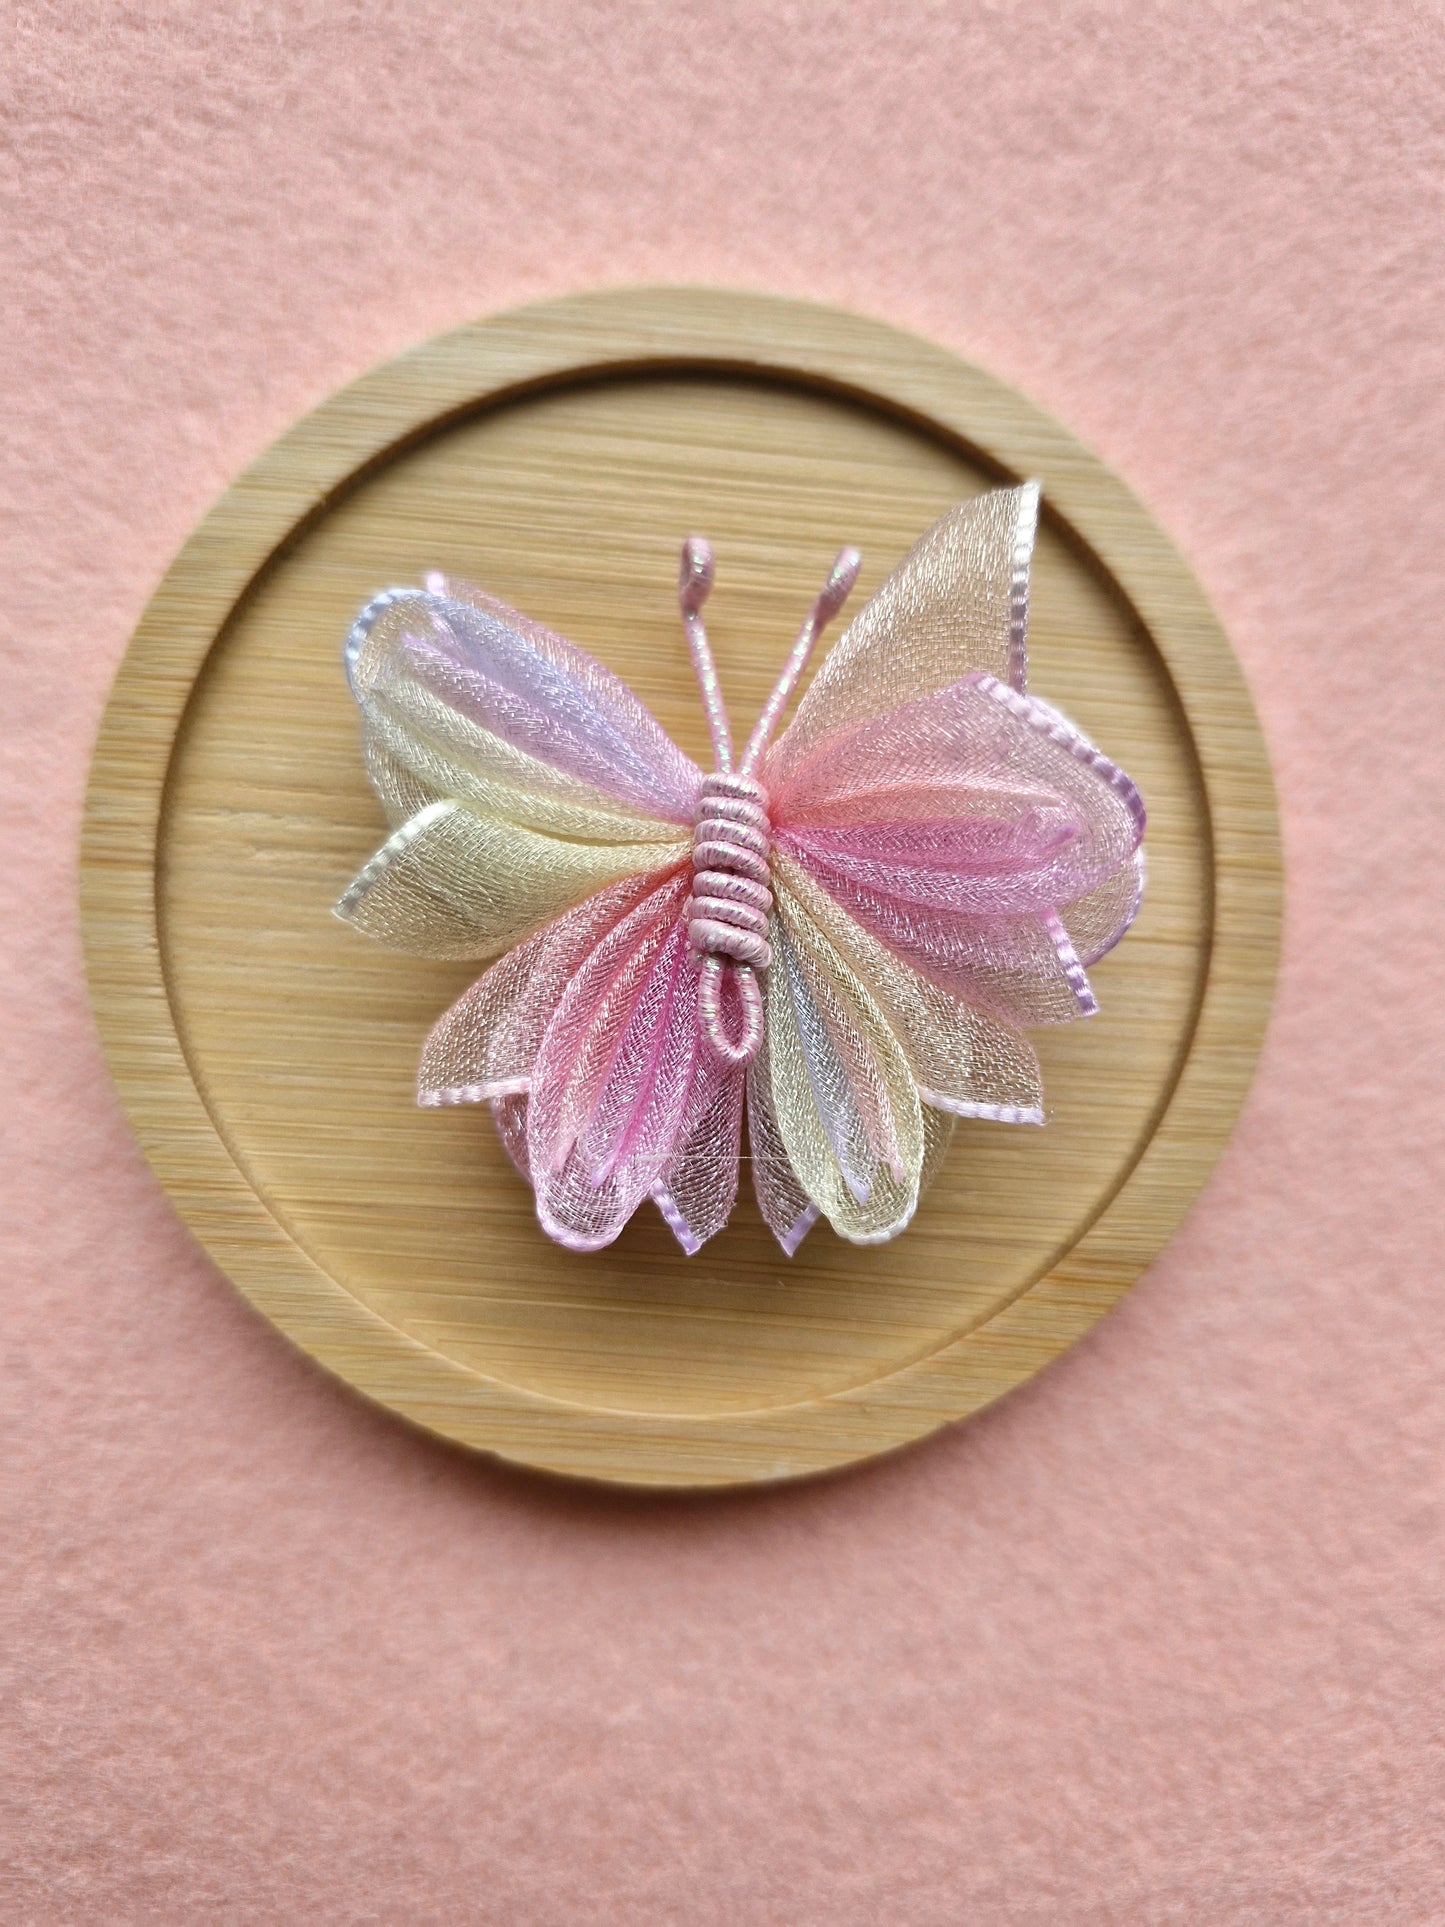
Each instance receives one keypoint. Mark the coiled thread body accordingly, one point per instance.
(730, 908)
(732, 899)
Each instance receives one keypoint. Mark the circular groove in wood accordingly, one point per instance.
(266, 1054)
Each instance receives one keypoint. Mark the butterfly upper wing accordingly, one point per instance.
(1008, 825)
(957, 601)
(948, 852)
(519, 773)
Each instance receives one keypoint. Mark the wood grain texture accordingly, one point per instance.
(267, 1054)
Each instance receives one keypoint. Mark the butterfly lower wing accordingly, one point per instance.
(840, 1099)
(966, 1061)
(585, 1040)
(698, 1185)
(485, 1046)
(787, 1209)
(623, 1083)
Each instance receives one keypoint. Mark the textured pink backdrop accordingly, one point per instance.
(1161, 1638)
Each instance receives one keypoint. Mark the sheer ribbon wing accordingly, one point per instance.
(843, 932)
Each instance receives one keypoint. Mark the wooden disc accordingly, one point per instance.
(267, 1054)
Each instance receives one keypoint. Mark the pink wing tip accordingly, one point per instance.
(676, 1223)
(799, 1230)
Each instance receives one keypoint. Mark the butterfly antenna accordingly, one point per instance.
(694, 582)
(830, 599)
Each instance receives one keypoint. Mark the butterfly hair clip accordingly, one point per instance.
(843, 929)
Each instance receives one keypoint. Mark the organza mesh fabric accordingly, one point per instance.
(948, 854)
(699, 1183)
(999, 824)
(450, 883)
(846, 1104)
(962, 1057)
(475, 711)
(487, 1044)
(957, 601)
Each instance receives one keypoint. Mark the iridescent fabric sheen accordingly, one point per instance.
(841, 934)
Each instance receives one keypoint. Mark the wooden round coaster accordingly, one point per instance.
(267, 1054)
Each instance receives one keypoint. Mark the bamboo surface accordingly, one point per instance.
(267, 1054)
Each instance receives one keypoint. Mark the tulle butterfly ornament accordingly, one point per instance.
(842, 930)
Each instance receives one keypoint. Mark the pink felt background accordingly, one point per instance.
(1161, 1638)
